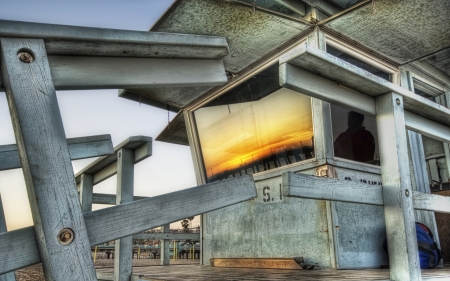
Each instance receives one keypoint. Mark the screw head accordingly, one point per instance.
(397, 101)
(25, 57)
(66, 236)
(407, 192)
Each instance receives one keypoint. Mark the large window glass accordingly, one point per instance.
(255, 127)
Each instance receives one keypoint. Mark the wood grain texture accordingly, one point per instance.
(165, 245)
(397, 188)
(10, 276)
(123, 257)
(86, 188)
(79, 148)
(431, 202)
(279, 263)
(45, 161)
(165, 235)
(133, 218)
(306, 186)
(317, 61)
(109, 199)
(105, 167)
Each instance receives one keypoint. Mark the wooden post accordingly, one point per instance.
(58, 219)
(123, 258)
(10, 276)
(86, 188)
(165, 246)
(397, 191)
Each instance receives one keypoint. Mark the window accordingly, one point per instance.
(254, 127)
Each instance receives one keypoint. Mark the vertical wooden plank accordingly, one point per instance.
(446, 97)
(86, 188)
(10, 276)
(45, 162)
(397, 192)
(165, 246)
(323, 139)
(123, 253)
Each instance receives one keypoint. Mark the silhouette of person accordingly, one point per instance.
(356, 143)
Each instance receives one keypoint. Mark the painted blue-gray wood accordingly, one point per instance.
(123, 257)
(86, 188)
(166, 235)
(397, 189)
(45, 161)
(109, 199)
(165, 246)
(88, 41)
(106, 167)
(131, 218)
(10, 276)
(346, 74)
(79, 148)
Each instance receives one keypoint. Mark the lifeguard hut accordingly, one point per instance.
(266, 94)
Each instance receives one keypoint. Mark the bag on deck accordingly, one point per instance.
(429, 254)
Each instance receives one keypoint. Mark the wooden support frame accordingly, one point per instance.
(106, 167)
(79, 148)
(10, 276)
(133, 218)
(58, 219)
(166, 235)
(109, 199)
(165, 246)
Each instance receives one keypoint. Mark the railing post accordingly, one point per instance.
(397, 189)
(10, 276)
(165, 246)
(86, 187)
(123, 253)
(58, 220)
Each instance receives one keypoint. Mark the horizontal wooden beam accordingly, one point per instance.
(106, 167)
(89, 41)
(109, 199)
(19, 248)
(169, 236)
(431, 202)
(306, 82)
(312, 187)
(348, 75)
(79, 148)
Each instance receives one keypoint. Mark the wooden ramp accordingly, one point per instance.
(208, 273)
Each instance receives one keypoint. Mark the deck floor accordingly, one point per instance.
(208, 273)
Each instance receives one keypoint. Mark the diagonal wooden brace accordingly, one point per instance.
(131, 218)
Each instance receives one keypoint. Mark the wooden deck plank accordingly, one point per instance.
(198, 272)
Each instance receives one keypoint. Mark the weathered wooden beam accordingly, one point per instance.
(164, 254)
(79, 148)
(324, 6)
(346, 74)
(106, 167)
(110, 199)
(123, 257)
(167, 236)
(293, 5)
(58, 220)
(306, 82)
(88, 41)
(80, 73)
(397, 189)
(133, 218)
(86, 188)
(10, 276)
(312, 187)
(431, 202)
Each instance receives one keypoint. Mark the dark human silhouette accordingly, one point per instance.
(356, 143)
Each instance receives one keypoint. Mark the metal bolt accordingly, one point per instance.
(398, 101)
(66, 236)
(25, 57)
(407, 192)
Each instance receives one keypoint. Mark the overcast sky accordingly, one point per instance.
(86, 113)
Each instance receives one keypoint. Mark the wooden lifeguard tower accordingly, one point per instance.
(262, 90)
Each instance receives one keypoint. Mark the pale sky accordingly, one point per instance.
(86, 113)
